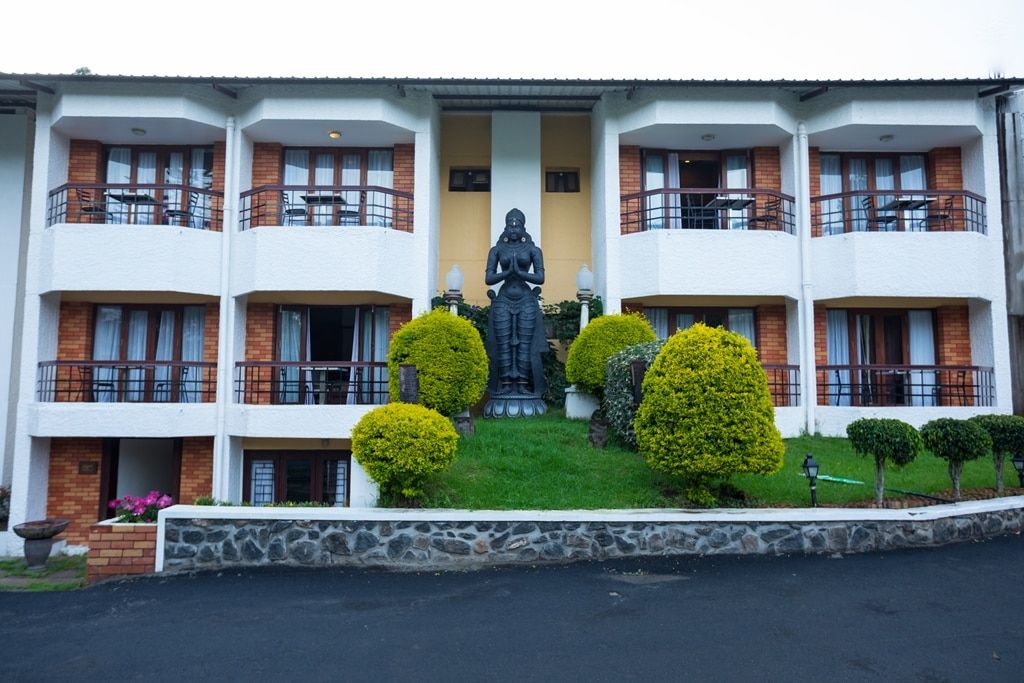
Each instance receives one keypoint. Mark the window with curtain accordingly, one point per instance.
(682, 170)
(668, 321)
(172, 169)
(322, 170)
(297, 477)
(884, 177)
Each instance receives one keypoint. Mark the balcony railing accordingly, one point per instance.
(784, 384)
(100, 381)
(326, 206)
(140, 204)
(905, 385)
(311, 383)
(706, 209)
(891, 211)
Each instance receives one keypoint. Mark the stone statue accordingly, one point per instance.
(515, 328)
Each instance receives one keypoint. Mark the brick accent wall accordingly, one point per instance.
(196, 469)
(266, 163)
(120, 550)
(767, 168)
(74, 330)
(814, 169)
(629, 170)
(821, 349)
(404, 166)
(259, 332)
(398, 315)
(211, 328)
(771, 334)
(85, 161)
(72, 495)
(945, 170)
(953, 335)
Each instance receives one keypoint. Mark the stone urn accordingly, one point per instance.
(38, 537)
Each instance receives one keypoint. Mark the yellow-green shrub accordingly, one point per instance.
(449, 357)
(401, 444)
(586, 364)
(706, 411)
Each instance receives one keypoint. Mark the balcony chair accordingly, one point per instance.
(874, 220)
(291, 214)
(769, 216)
(184, 216)
(91, 207)
(943, 219)
(840, 387)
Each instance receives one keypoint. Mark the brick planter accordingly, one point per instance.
(120, 550)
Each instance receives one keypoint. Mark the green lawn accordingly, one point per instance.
(545, 463)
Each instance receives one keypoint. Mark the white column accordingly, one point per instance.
(808, 370)
(225, 333)
(516, 173)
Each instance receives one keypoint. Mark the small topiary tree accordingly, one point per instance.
(886, 440)
(401, 444)
(586, 364)
(618, 387)
(449, 357)
(956, 441)
(1007, 434)
(706, 411)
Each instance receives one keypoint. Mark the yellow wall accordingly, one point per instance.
(565, 216)
(465, 233)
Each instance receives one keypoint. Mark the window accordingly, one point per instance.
(175, 168)
(565, 180)
(148, 341)
(296, 476)
(361, 170)
(877, 179)
(682, 175)
(667, 321)
(469, 180)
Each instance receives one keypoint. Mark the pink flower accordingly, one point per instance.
(164, 501)
(113, 504)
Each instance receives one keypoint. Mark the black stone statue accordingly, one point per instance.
(515, 328)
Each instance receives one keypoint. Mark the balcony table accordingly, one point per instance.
(322, 199)
(907, 204)
(133, 200)
(727, 203)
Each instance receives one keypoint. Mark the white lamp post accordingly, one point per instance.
(453, 281)
(584, 292)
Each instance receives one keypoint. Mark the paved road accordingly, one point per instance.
(954, 613)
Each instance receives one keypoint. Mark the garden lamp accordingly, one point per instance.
(584, 293)
(453, 281)
(811, 472)
(1018, 464)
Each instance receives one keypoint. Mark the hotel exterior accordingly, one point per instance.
(201, 276)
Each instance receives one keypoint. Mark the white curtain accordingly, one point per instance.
(685, 321)
(736, 177)
(885, 179)
(831, 183)
(106, 345)
(857, 179)
(261, 482)
(741, 321)
(355, 374)
(291, 329)
(307, 373)
(296, 172)
(192, 352)
(675, 218)
(838, 335)
(380, 172)
(350, 169)
(138, 326)
(174, 174)
(922, 352)
(912, 179)
(658, 318)
(374, 347)
(200, 176)
(145, 174)
(119, 171)
(323, 177)
(163, 372)
(654, 179)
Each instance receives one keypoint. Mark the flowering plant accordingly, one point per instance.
(136, 509)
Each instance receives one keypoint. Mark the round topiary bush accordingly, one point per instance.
(706, 411)
(586, 364)
(618, 387)
(449, 357)
(1007, 434)
(956, 441)
(401, 444)
(885, 440)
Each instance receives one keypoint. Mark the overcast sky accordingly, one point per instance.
(521, 38)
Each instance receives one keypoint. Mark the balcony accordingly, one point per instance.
(783, 384)
(326, 206)
(308, 383)
(887, 386)
(141, 204)
(95, 381)
(886, 211)
(706, 209)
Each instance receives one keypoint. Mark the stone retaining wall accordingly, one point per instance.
(192, 542)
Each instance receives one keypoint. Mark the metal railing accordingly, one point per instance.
(326, 206)
(138, 204)
(784, 384)
(115, 381)
(906, 385)
(311, 383)
(892, 211)
(706, 209)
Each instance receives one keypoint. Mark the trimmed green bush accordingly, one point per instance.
(1007, 434)
(586, 364)
(449, 357)
(885, 440)
(401, 444)
(618, 387)
(956, 441)
(706, 411)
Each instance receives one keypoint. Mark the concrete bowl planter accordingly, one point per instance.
(38, 536)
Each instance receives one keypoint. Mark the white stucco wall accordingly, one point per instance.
(516, 173)
(151, 420)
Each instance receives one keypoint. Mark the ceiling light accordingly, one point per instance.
(885, 138)
(138, 131)
(334, 134)
(707, 137)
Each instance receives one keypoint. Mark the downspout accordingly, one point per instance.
(225, 333)
(808, 370)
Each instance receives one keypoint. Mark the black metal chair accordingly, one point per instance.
(768, 216)
(185, 217)
(875, 220)
(90, 207)
(943, 219)
(291, 214)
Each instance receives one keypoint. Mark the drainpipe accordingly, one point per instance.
(808, 371)
(225, 333)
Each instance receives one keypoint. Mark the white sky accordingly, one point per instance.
(519, 38)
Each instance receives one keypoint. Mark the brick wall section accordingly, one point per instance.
(771, 334)
(398, 315)
(814, 168)
(953, 335)
(629, 175)
(767, 169)
(259, 332)
(72, 495)
(219, 154)
(211, 328)
(85, 162)
(821, 350)
(945, 170)
(74, 331)
(120, 550)
(196, 469)
(404, 165)
(266, 170)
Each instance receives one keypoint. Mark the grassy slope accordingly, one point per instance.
(546, 464)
